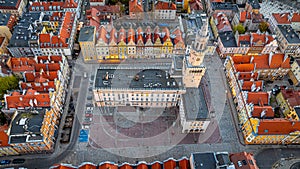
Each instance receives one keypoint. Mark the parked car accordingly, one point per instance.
(88, 115)
(3, 162)
(18, 161)
(86, 123)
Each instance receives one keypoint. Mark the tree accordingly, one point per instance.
(8, 83)
(263, 26)
(240, 28)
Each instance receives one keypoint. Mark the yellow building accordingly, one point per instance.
(288, 99)
(87, 41)
(294, 73)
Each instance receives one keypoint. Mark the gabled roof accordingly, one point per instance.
(170, 164)
(286, 18)
(135, 6)
(222, 22)
(131, 35)
(277, 60)
(102, 34)
(122, 35)
(21, 64)
(255, 85)
(113, 35)
(178, 36)
(165, 34)
(258, 98)
(263, 112)
(196, 5)
(247, 67)
(292, 96)
(70, 4)
(30, 99)
(140, 35)
(236, 158)
(161, 5)
(148, 34)
(278, 126)
(156, 34)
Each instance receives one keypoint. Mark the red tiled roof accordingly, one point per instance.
(263, 111)
(125, 166)
(108, 165)
(247, 75)
(31, 97)
(170, 164)
(258, 98)
(88, 166)
(247, 85)
(196, 5)
(278, 60)
(139, 35)
(156, 166)
(131, 35)
(166, 34)
(47, 67)
(1, 40)
(135, 7)
(236, 157)
(40, 87)
(222, 22)
(102, 34)
(108, 8)
(70, 4)
(247, 67)
(148, 34)
(21, 64)
(161, 5)
(11, 22)
(156, 34)
(178, 36)
(255, 39)
(122, 35)
(278, 126)
(241, 59)
(142, 166)
(113, 36)
(292, 96)
(184, 164)
(3, 136)
(283, 18)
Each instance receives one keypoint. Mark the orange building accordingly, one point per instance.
(243, 160)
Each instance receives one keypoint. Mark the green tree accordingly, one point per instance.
(8, 83)
(240, 28)
(263, 26)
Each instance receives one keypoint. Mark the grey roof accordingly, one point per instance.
(26, 124)
(223, 159)
(227, 39)
(148, 79)
(4, 18)
(297, 109)
(87, 34)
(8, 3)
(194, 104)
(224, 6)
(22, 33)
(254, 4)
(204, 160)
(192, 23)
(289, 33)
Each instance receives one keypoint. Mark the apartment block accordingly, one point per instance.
(294, 74)
(15, 7)
(288, 39)
(39, 34)
(256, 117)
(109, 44)
(165, 10)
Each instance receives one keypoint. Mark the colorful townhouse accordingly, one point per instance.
(256, 117)
(197, 159)
(136, 9)
(219, 23)
(14, 7)
(110, 44)
(246, 44)
(39, 34)
(98, 15)
(289, 102)
(294, 74)
(37, 108)
(165, 10)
